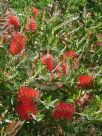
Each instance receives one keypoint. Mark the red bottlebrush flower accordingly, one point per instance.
(85, 81)
(31, 25)
(35, 11)
(71, 54)
(27, 94)
(64, 111)
(18, 43)
(25, 110)
(13, 20)
(48, 60)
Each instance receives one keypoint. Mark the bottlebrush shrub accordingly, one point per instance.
(46, 74)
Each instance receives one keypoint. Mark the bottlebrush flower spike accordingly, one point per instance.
(48, 60)
(25, 110)
(71, 54)
(35, 11)
(18, 43)
(31, 25)
(85, 81)
(64, 111)
(27, 95)
(13, 20)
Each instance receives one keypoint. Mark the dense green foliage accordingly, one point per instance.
(62, 25)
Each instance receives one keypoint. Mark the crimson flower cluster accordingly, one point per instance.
(82, 81)
(48, 60)
(13, 20)
(18, 43)
(85, 81)
(26, 102)
(71, 54)
(64, 111)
